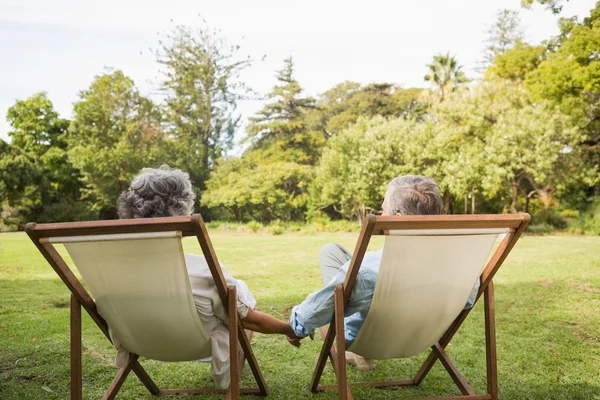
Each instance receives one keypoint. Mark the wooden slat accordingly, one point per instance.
(490, 341)
(138, 225)
(402, 382)
(253, 391)
(384, 223)
(343, 389)
(234, 373)
(76, 383)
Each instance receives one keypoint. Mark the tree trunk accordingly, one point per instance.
(446, 201)
(515, 196)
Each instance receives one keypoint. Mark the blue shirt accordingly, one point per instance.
(317, 309)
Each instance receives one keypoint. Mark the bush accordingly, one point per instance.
(540, 229)
(549, 218)
(67, 211)
(275, 230)
(568, 213)
(254, 226)
(589, 221)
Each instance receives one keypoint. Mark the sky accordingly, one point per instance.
(59, 46)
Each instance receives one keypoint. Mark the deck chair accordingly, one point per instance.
(139, 287)
(428, 269)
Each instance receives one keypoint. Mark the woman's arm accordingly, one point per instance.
(260, 322)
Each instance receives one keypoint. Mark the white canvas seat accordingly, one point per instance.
(140, 295)
(429, 267)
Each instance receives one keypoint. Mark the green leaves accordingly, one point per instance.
(115, 133)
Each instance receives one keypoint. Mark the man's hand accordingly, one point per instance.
(296, 340)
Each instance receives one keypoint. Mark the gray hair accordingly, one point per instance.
(413, 195)
(157, 192)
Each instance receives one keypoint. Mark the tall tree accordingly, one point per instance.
(37, 176)
(280, 131)
(445, 74)
(517, 62)
(115, 132)
(570, 78)
(343, 104)
(201, 80)
(502, 35)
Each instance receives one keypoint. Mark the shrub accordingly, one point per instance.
(568, 213)
(549, 218)
(540, 228)
(67, 211)
(254, 226)
(275, 230)
(589, 221)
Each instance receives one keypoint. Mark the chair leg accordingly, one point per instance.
(490, 342)
(343, 388)
(145, 378)
(116, 384)
(326, 351)
(76, 383)
(234, 373)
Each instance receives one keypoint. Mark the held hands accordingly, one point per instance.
(296, 340)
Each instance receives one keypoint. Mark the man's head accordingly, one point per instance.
(412, 195)
(157, 192)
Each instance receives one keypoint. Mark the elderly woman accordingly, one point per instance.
(167, 192)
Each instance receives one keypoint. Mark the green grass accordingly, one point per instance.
(548, 325)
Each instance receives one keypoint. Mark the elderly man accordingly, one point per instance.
(406, 195)
(167, 192)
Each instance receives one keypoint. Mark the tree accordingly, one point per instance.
(445, 74)
(36, 173)
(201, 80)
(502, 35)
(553, 5)
(280, 132)
(358, 163)
(570, 78)
(517, 62)
(343, 104)
(115, 133)
(263, 192)
(496, 140)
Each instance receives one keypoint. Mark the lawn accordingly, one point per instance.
(548, 325)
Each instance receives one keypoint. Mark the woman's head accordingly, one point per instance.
(157, 192)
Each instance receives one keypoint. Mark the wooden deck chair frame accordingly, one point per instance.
(373, 225)
(186, 226)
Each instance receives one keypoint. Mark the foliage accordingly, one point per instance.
(343, 104)
(502, 35)
(264, 191)
(553, 5)
(515, 63)
(549, 218)
(358, 163)
(279, 132)
(34, 169)
(589, 221)
(570, 76)
(115, 132)
(445, 74)
(201, 81)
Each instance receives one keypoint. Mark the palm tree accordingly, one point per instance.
(445, 73)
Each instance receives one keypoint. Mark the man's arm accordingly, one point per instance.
(316, 310)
